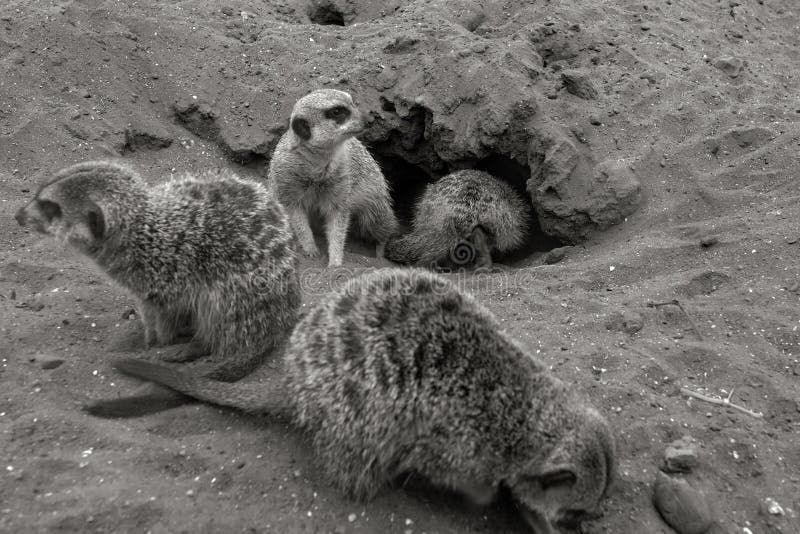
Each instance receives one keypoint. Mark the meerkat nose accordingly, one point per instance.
(21, 216)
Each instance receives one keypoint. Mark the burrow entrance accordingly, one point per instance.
(408, 181)
(326, 13)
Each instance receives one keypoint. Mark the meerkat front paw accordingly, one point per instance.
(311, 250)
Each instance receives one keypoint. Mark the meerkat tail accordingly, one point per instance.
(150, 400)
(255, 397)
(404, 249)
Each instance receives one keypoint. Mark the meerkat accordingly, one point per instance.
(462, 221)
(400, 372)
(213, 249)
(320, 167)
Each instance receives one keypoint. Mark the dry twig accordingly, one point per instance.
(676, 302)
(722, 402)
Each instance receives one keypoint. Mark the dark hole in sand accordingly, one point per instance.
(407, 182)
(325, 13)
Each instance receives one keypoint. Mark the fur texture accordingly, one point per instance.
(461, 221)
(400, 372)
(319, 166)
(212, 250)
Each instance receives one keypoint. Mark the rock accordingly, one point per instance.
(627, 321)
(227, 10)
(579, 84)
(572, 199)
(730, 65)
(556, 255)
(197, 117)
(680, 456)
(146, 135)
(682, 507)
(247, 144)
(48, 362)
(770, 506)
(710, 241)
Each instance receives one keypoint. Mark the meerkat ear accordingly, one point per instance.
(557, 476)
(96, 221)
(301, 128)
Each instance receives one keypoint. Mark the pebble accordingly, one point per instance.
(682, 507)
(732, 66)
(710, 241)
(227, 10)
(352, 517)
(680, 456)
(772, 507)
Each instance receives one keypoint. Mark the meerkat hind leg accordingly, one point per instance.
(483, 250)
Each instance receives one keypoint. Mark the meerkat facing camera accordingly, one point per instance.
(401, 372)
(212, 248)
(319, 166)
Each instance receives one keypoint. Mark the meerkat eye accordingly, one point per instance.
(49, 209)
(338, 114)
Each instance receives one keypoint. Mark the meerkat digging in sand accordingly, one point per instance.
(319, 166)
(400, 372)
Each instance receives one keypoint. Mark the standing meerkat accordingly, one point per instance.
(213, 248)
(319, 166)
(400, 372)
(462, 220)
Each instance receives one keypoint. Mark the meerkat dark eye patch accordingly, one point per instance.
(96, 223)
(301, 128)
(50, 210)
(338, 114)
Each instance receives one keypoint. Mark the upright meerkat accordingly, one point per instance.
(213, 248)
(319, 166)
(401, 372)
(462, 220)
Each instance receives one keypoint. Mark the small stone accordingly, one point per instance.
(129, 315)
(732, 66)
(771, 507)
(556, 255)
(49, 362)
(146, 135)
(680, 456)
(710, 241)
(594, 120)
(352, 517)
(227, 10)
(683, 508)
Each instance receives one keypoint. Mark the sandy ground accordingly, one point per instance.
(717, 157)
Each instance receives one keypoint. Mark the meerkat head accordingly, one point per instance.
(79, 205)
(325, 118)
(568, 485)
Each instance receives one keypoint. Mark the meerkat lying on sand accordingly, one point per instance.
(461, 221)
